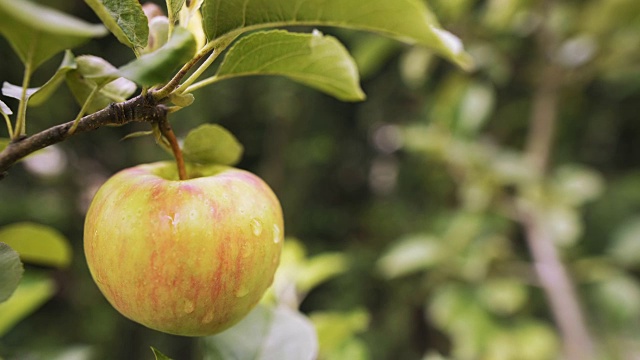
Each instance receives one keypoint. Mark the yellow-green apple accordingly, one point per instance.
(186, 257)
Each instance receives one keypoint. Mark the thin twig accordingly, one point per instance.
(167, 132)
(551, 272)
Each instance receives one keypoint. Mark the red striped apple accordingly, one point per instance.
(188, 257)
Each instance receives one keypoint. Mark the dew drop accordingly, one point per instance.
(256, 227)
(188, 306)
(208, 317)
(242, 291)
(276, 234)
(246, 250)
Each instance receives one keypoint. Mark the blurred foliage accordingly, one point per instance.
(403, 201)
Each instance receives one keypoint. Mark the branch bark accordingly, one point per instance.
(142, 108)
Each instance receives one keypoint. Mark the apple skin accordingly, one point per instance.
(188, 257)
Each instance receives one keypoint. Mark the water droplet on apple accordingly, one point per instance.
(246, 250)
(242, 291)
(276, 234)
(256, 227)
(208, 317)
(188, 306)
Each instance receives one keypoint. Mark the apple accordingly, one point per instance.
(186, 257)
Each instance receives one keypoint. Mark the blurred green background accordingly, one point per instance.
(417, 187)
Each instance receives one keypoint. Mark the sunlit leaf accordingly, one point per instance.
(266, 333)
(503, 296)
(4, 143)
(319, 269)
(535, 340)
(625, 247)
(576, 184)
(37, 244)
(618, 297)
(212, 144)
(160, 65)
(336, 330)
(411, 254)
(159, 355)
(36, 32)
(563, 223)
(33, 291)
(407, 20)
(10, 271)
(125, 19)
(191, 18)
(315, 60)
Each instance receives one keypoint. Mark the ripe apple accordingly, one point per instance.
(189, 257)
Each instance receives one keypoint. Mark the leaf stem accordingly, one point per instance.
(202, 83)
(83, 110)
(170, 136)
(21, 119)
(9, 126)
(196, 74)
(217, 46)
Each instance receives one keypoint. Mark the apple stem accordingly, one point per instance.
(167, 132)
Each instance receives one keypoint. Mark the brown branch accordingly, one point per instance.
(167, 132)
(142, 108)
(551, 272)
(558, 287)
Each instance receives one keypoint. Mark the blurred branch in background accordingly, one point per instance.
(549, 268)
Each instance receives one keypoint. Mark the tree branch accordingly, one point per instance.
(552, 274)
(142, 108)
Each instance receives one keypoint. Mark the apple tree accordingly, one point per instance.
(175, 271)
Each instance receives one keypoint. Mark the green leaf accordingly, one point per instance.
(159, 355)
(45, 91)
(10, 271)
(94, 71)
(337, 329)
(266, 333)
(173, 9)
(158, 33)
(37, 244)
(212, 144)
(160, 65)
(33, 291)
(39, 95)
(36, 32)
(411, 254)
(319, 269)
(407, 20)
(625, 247)
(315, 60)
(503, 296)
(125, 19)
